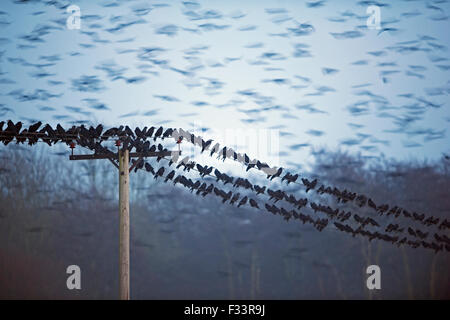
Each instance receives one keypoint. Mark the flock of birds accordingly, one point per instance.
(244, 192)
(117, 30)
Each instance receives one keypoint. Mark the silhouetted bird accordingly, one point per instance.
(243, 201)
(234, 198)
(158, 133)
(33, 127)
(170, 176)
(205, 144)
(371, 204)
(150, 132)
(259, 189)
(411, 232)
(253, 203)
(129, 132)
(167, 133)
(277, 174)
(149, 168)
(309, 185)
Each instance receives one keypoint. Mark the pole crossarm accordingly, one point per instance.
(116, 156)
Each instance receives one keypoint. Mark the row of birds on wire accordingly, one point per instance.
(92, 138)
(203, 189)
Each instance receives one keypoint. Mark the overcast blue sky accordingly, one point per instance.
(310, 69)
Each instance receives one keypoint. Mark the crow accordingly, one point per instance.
(261, 165)
(346, 216)
(226, 196)
(418, 217)
(208, 190)
(109, 133)
(139, 133)
(196, 185)
(243, 201)
(292, 178)
(359, 219)
(309, 185)
(214, 149)
(235, 198)
(149, 132)
(421, 235)
(270, 208)
(158, 133)
(149, 168)
(33, 127)
(301, 203)
(201, 188)
(189, 166)
(277, 174)
(286, 177)
(259, 189)
(129, 132)
(99, 130)
(403, 241)
(146, 146)
(224, 154)
(411, 232)
(170, 176)
(205, 145)
(140, 165)
(167, 133)
(254, 204)
(406, 213)
(177, 179)
(203, 170)
(372, 222)
(382, 208)
(286, 214)
(218, 174)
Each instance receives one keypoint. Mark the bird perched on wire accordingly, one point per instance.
(253, 203)
(276, 174)
(235, 198)
(243, 201)
(129, 132)
(170, 176)
(259, 189)
(223, 154)
(289, 178)
(167, 133)
(214, 149)
(149, 168)
(204, 170)
(159, 173)
(309, 185)
(158, 133)
(205, 144)
(270, 208)
(33, 127)
(150, 132)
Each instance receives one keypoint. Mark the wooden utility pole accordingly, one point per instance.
(124, 225)
(123, 156)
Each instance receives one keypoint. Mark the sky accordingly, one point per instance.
(294, 75)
